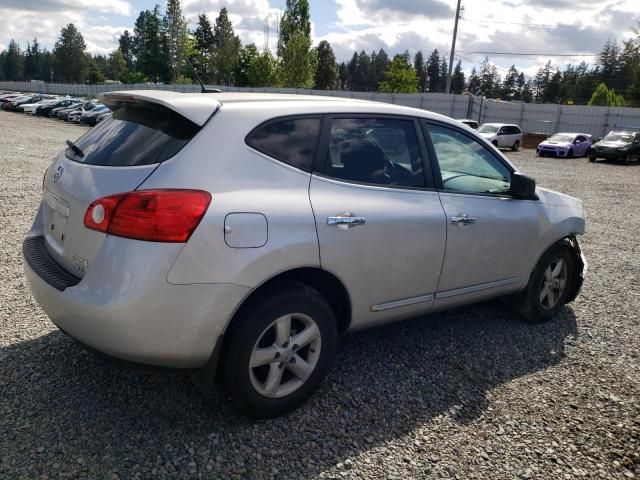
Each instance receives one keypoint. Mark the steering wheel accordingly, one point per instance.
(389, 170)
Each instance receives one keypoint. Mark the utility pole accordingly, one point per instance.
(453, 49)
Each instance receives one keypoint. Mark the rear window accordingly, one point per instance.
(292, 141)
(136, 134)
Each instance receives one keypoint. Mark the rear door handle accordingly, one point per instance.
(462, 219)
(346, 220)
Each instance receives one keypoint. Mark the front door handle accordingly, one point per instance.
(462, 219)
(345, 220)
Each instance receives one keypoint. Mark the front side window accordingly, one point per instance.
(466, 165)
(379, 151)
(292, 141)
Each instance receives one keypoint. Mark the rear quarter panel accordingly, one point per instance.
(240, 180)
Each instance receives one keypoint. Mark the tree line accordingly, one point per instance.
(162, 49)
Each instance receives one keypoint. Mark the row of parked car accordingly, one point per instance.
(621, 145)
(78, 110)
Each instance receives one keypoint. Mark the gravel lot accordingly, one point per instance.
(471, 393)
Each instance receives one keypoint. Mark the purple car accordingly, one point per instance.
(565, 145)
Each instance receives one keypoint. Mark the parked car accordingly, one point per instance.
(103, 116)
(32, 107)
(619, 145)
(502, 135)
(90, 117)
(255, 228)
(469, 123)
(57, 110)
(12, 103)
(45, 110)
(565, 145)
(76, 115)
(19, 106)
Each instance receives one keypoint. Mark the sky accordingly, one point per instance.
(541, 27)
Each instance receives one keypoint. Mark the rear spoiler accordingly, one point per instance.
(195, 107)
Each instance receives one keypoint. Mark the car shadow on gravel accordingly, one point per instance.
(73, 412)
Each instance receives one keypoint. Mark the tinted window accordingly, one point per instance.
(135, 135)
(292, 141)
(377, 151)
(466, 165)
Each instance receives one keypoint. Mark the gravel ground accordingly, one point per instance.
(471, 393)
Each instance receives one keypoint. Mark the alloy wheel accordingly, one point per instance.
(554, 282)
(285, 355)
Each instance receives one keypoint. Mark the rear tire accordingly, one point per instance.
(625, 159)
(516, 146)
(265, 372)
(549, 285)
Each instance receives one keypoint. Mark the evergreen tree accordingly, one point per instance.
(444, 73)
(45, 68)
(295, 20)
(541, 80)
(148, 44)
(326, 77)
(126, 47)
(203, 35)
(457, 79)
(226, 49)
(352, 67)
(13, 62)
(32, 61)
(421, 70)
(473, 87)
(609, 64)
(634, 90)
(489, 85)
(380, 64)
(433, 71)
(343, 73)
(509, 90)
(401, 77)
(69, 55)
(117, 65)
(551, 92)
(520, 84)
(174, 28)
(247, 55)
(527, 92)
(363, 71)
(91, 73)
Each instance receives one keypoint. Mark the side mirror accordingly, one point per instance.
(522, 186)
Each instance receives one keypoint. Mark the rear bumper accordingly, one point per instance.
(125, 308)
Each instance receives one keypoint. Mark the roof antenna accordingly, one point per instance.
(204, 89)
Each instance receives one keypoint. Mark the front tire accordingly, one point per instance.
(279, 352)
(592, 158)
(549, 285)
(570, 153)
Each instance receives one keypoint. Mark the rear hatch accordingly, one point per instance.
(145, 130)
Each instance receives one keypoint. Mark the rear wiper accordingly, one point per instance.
(75, 148)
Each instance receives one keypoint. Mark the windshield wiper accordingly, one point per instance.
(75, 148)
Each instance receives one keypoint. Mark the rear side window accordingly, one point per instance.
(136, 134)
(292, 141)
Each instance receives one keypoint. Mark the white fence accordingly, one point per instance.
(533, 118)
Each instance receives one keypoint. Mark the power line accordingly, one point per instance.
(533, 54)
(544, 25)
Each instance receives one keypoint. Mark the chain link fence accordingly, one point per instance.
(532, 117)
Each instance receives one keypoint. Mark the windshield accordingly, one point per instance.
(488, 128)
(561, 137)
(618, 137)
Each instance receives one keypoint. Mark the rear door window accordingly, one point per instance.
(136, 134)
(290, 140)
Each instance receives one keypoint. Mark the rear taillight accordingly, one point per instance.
(152, 215)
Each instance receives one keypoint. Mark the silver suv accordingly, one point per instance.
(236, 236)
